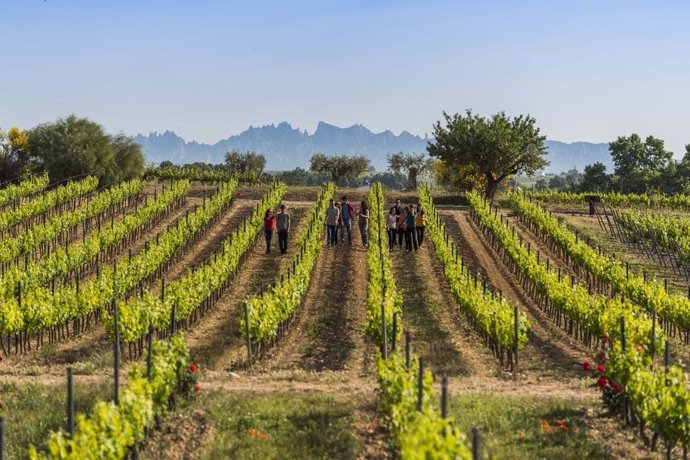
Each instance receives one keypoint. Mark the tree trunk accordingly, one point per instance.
(491, 187)
(412, 179)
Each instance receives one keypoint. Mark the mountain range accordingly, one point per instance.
(286, 147)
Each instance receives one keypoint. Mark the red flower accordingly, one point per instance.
(263, 436)
(601, 368)
(197, 388)
(602, 382)
(586, 366)
(616, 388)
(601, 357)
(604, 337)
(193, 368)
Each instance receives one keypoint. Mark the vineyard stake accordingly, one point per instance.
(2, 438)
(667, 356)
(70, 402)
(652, 345)
(246, 331)
(149, 352)
(384, 336)
(476, 443)
(515, 344)
(394, 339)
(622, 322)
(444, 397)
(420, 385)
(407, 349)
(117, 354)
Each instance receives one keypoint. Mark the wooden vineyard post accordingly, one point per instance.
(623, 347)
(476, 443)
(384, 335)
(444, 397)
(117, 354)
(70, 402)
(149, 352)
(667, 356)
(515, 343)
(652, 345)
(2, 438)
(394, 339)
(407, 349)
(246, 332)
(420, 385)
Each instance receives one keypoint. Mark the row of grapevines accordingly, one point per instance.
(492, 314)
(269, 310)
(651, 296)
(42, 309)
(677, 202)
(111, 431)
(49, 200)
(63, 260)
(417, 434)
(31, 238)
(597, 314)
(24, 188)
(672, 233)
(380, 273)
(189, 292)
(191, 174)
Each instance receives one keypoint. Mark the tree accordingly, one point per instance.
(340, 166)
(414, 165)
(498, 146)
(248, 165)
(15, 161)
(595, 179)
(638, 164)
(557, 182)
(74, 146)
(573, 178)
(464, 177)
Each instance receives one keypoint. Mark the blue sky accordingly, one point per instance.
(206, 69)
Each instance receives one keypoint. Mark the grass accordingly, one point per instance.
(32, 411)
(522, 427)
(280, 426)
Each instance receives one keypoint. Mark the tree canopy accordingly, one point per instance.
(340, 166)
(248, 165)
(412, 164)
(638, 164)
(77, 146)
(498, 146)
(15, 161)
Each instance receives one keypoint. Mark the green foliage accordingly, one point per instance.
(380, 273)
(195, 287)
(248, 165)
(197, 172)
(340, 166)
(15, 161)
(417, 434)
(269, 310)
(63, 260)
(111, 431)
(45, 202)
(638, 164)
(595, 179)
(651, 296)
(596, 314)
(41, 308)
(497, 147)
(25, 188)
(493, 314)
(75, 146)
(414, 165)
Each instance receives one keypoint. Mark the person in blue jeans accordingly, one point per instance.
(346, 217)
(332, 216)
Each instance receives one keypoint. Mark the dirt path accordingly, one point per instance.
(216, 341)
(550, 352)
(327, 333)
(438, 333)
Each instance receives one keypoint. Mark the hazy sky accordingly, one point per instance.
(587, 70)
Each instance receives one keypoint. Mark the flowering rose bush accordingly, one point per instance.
(611, 392)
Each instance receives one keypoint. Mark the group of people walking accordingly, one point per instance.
(339, 216)
(406, 223)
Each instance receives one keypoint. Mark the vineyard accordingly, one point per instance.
(148, 320)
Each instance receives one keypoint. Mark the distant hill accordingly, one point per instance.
(286, 147)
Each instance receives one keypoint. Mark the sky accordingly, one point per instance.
(206, 69)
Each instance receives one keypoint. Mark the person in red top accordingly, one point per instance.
(269, 228)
